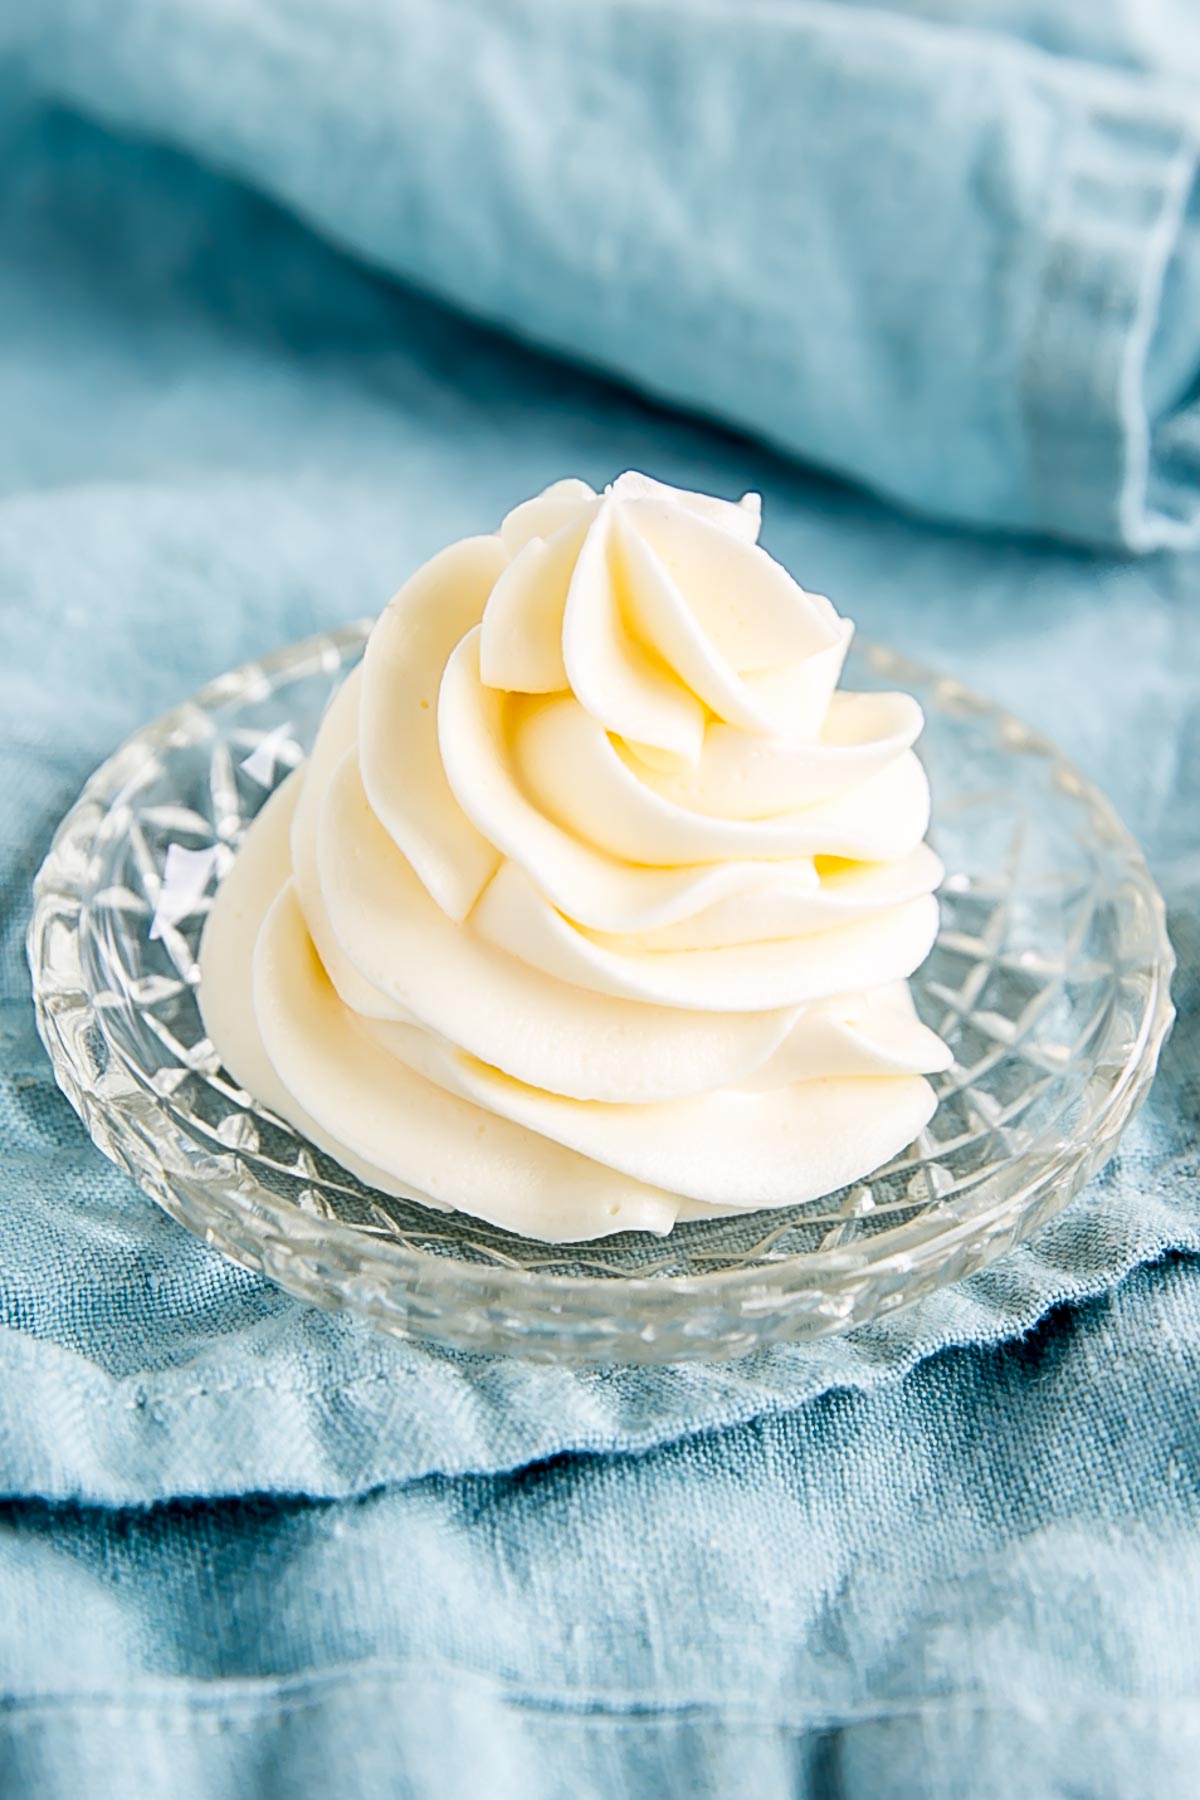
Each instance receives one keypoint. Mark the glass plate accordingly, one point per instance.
(1050, 981)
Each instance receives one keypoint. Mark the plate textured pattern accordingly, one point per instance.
(1050, 981)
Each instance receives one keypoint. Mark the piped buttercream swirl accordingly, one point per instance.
(594, 906)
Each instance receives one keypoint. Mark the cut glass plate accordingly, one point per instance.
(1050, 982)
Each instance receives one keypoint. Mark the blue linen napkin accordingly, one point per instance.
(859, 1562)
(957, 264)
(981, 1581)
(208, 486)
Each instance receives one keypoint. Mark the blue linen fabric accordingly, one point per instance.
(983, 1581)
(248, 1548)
(954, 259)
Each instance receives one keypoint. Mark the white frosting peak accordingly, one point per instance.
(594, 905)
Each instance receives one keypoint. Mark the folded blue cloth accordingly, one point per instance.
(944, 261)
(231, 449)
(983, 1581)
(247, 1546)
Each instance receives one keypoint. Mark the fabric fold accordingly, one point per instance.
(926, 255)
(990, 1568)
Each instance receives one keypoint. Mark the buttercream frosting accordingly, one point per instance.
(593, 907)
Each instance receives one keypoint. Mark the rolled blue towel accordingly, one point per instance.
(957, 264)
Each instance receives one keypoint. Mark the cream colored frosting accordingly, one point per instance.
(594, 906)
